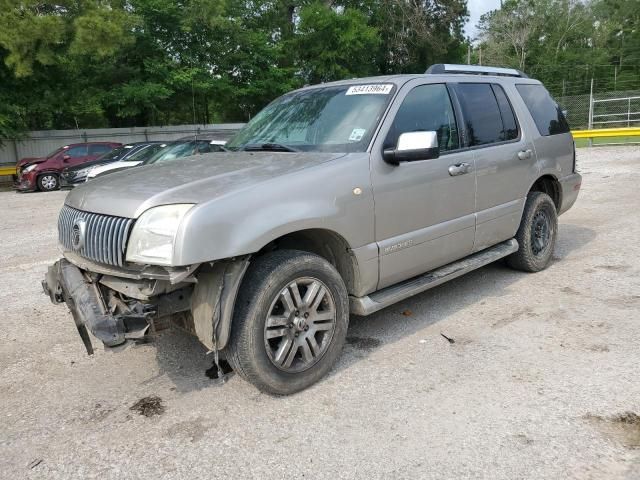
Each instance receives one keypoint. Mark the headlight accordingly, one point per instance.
(154, 234)
(29, 168)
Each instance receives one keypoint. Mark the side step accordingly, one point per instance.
(395, 293)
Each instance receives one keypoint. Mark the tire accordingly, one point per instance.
(536, 235)
(48, 182)
(261, 351)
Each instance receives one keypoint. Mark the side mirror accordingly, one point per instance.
(66, 158)
(413, 146)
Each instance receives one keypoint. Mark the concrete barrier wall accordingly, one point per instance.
(40, 143)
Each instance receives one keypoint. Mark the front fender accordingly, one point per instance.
(242, 222)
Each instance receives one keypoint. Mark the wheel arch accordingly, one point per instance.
(550, 185)
(41, 174)
(325, 243)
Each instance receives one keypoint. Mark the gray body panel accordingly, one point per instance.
(403, 221)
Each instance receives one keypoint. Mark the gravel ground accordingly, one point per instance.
(541, 382)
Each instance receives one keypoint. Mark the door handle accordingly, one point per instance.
(459, 169)
(525, 154)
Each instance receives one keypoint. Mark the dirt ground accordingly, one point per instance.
(541, 382)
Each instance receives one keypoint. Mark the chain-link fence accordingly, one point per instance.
(614, 109)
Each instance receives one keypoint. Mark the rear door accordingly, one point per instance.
(504, 158)
(552, 140)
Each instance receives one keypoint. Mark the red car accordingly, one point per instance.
(44, 173)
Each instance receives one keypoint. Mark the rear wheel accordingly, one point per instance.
(48, 182)
(536, 235)
(290, 321)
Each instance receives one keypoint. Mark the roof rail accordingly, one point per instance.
(443, 68)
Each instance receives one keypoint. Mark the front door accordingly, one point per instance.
(424, 210)
(74, 155)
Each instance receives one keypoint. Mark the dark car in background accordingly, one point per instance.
(183, 147)
(72, 176)
(43, 173)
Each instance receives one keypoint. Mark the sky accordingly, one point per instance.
(477, 8)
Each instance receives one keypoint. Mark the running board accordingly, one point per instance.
(395, 293)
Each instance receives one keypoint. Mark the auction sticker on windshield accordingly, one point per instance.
(374, 89)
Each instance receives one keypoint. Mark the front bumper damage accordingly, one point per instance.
(120, 307)
(112, 318)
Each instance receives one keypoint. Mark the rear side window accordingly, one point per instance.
(488, 116)
(544, 110)
(99, 149)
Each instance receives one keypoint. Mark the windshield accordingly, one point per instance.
(146, 153)
(115, 154)
(181, 149)
(56, 151)
(330, 119)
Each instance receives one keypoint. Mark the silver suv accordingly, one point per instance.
(338, 198)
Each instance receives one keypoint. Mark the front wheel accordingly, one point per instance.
(48, 182)
(536, 235)
(290, 321)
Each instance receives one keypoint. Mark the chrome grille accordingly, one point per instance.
(104, 237)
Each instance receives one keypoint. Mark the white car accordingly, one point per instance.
(183, 147)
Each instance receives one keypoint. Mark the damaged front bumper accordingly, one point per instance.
(119, 306)
(110, 316)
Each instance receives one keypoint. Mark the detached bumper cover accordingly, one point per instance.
(570, 186)
(66, 283)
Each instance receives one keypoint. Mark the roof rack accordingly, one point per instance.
(443, 68)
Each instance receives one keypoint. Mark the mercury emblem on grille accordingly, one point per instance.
(77, 233)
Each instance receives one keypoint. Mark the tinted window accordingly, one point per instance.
(509, 124)
(544, 110)
(75, 152)
(482, 117)
(114, 154)
(203, 147)
(146, 153)
(426, 108)
(99, 149)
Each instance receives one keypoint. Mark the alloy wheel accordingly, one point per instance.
(300, 324)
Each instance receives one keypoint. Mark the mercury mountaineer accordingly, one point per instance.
(338, 198)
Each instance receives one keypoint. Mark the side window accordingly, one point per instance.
(544, 110)
(99, 149)
(78, 151)
(202, 147)
(509, 124)
(483, 120)
(426, 108)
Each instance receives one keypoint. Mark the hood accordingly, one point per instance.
(29, 160)
(187, 180)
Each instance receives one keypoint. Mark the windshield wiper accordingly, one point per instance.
(268, 147)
